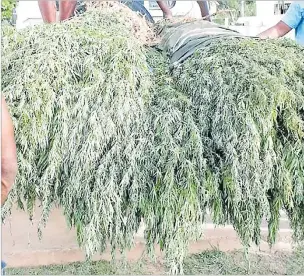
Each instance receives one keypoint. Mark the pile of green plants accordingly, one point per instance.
(108, 132)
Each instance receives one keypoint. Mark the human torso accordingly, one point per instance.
(299, 31)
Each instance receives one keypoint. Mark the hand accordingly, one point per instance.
(279, 30)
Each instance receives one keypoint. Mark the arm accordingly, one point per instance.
(278, 30)
(8, 153)
(290, 21)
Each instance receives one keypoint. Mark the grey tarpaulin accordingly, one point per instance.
(181, 40)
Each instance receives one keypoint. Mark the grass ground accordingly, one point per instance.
(207, 263)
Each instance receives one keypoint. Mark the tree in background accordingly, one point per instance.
(7, 7)
(236, 7)
(249, 6)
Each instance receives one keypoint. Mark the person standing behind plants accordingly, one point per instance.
(8, 153)
(8, 157)
(293, 19)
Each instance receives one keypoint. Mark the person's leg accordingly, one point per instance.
(3, 265)
(66, 9)
(48, 10)
(165, 9)
(204, 9)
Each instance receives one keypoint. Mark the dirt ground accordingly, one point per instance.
(211, 262)
(21, 246)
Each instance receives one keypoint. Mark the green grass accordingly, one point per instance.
(87, 268)
(209, 262)
(219, 263)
